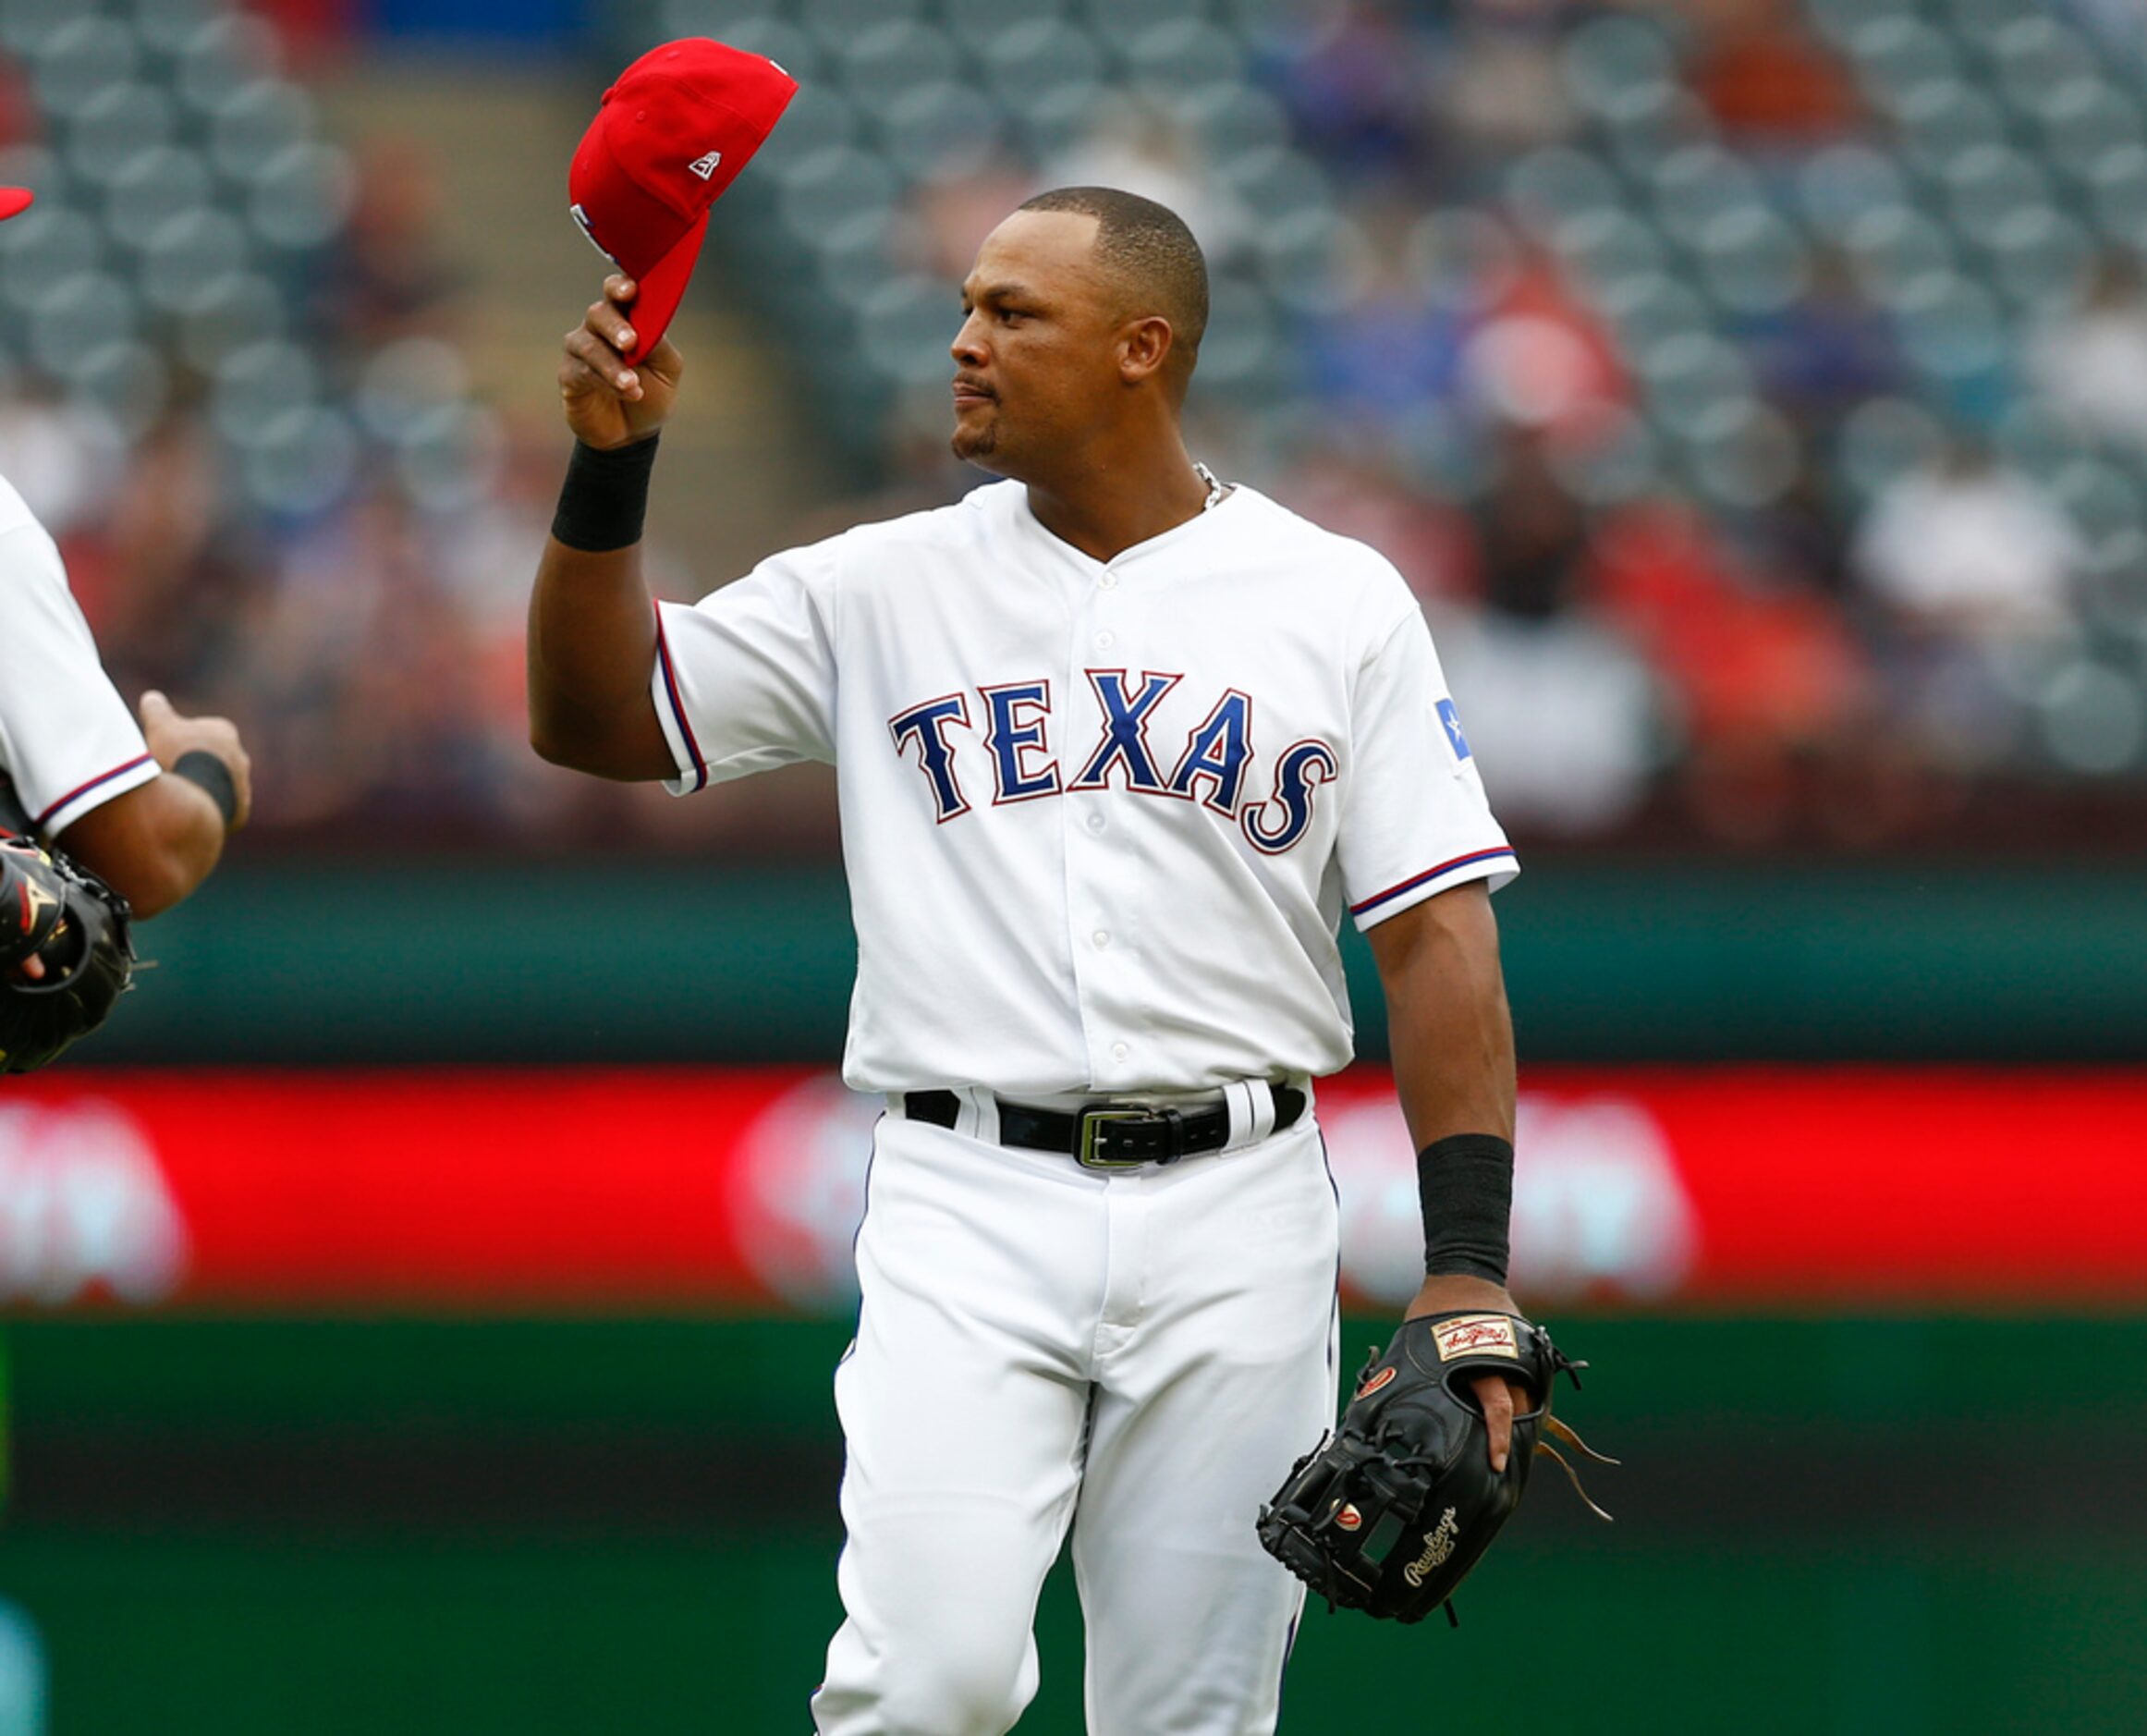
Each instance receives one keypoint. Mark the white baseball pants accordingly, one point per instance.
(1143, 1355)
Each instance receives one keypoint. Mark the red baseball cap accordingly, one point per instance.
(13, 201)
(670, 137)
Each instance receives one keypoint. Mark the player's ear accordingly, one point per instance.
(1143, 346)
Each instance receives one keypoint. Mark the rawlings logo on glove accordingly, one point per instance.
(1390, 1513)
(1437, 1547)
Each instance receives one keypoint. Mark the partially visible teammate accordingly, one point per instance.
(1117, 747)
(144, 805)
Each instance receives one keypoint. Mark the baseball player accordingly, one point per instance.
(145, 805)
(1118, 745)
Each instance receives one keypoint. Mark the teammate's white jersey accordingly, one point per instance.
(66, 740)
(1100, 820)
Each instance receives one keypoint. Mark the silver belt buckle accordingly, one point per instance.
(1091, 1121)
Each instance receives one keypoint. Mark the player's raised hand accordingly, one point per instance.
(171, 734)
(609, 402)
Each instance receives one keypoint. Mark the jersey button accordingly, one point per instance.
(1119, 1051)
(1101, 937)
(1095, 822)
(1105, 640)
(1109, 581)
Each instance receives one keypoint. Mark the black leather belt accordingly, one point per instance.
(1106, 1135)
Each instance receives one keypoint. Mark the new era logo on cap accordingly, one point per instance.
(669, 138)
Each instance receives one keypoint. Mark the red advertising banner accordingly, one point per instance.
(499, 1191)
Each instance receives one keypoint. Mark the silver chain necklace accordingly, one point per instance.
(1217, 491)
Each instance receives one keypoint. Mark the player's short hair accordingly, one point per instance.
(1149, 246)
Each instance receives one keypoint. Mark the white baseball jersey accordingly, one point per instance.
(66, 740)
(1101, 819)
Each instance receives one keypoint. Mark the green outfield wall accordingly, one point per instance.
(233, 1528)
(553, 962)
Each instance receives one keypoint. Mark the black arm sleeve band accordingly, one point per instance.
(606, 496)
(198, 766)
(1466, 1182)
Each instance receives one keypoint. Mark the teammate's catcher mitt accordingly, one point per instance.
(1388, 1515)
(60, 913)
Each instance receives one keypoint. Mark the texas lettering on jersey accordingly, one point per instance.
(1014, 720)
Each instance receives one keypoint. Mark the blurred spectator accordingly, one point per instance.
(1800, 538)
(21, 122)
(1499, 88)
(1386, 349)
(1531, 535)
(1561, 711)
(386, 276)
(1972, 568)
(1769, 85)
(2092, 361)
(1561, 715)
(360, 671)
(169, 566)
(1969, 550)
(1136, 144)
(63, 456)
(1765, 679)
(312, 27)
(1355, 78)
(1540, 358)
(955, 212)
(1828, 352)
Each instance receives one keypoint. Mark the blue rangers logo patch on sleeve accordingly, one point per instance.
(1452, 719)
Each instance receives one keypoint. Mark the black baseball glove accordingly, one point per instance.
(55, 911)
(1388, 1515)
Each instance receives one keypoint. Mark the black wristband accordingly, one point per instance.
(606, 496)
(1466, 1182)
(198, 766)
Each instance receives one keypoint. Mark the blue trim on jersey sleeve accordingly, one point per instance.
(79, 790)
(679, 704)
(1414, 881)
